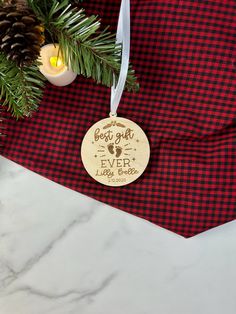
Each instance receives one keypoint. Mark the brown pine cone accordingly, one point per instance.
(21, 33)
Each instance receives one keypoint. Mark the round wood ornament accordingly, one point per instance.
(115, 151)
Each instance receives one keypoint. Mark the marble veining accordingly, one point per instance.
(64, 253)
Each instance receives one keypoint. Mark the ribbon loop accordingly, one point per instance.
(123, 38)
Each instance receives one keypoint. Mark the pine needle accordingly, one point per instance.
(20, 88)
(85, 48)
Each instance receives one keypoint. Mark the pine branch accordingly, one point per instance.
(88, 51)
(20, 87)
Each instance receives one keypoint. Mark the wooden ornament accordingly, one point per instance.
(115, 151)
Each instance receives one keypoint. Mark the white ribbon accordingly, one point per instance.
(123, 38)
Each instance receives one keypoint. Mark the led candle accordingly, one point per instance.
(53, 68)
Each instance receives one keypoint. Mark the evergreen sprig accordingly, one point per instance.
(20, 87)
(85, 48)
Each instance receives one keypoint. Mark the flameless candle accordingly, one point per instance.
(53, 68)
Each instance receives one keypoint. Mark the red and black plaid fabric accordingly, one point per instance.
(184, 56)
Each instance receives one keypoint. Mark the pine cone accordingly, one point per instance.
(21, 33)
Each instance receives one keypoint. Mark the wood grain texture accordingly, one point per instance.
(115, 151)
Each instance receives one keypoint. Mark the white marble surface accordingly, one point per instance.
(64, 253)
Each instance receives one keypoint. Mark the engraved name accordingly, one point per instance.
(121, 172)
(105, 173)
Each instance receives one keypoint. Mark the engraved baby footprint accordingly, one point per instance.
(111, 148)
(118, 151)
